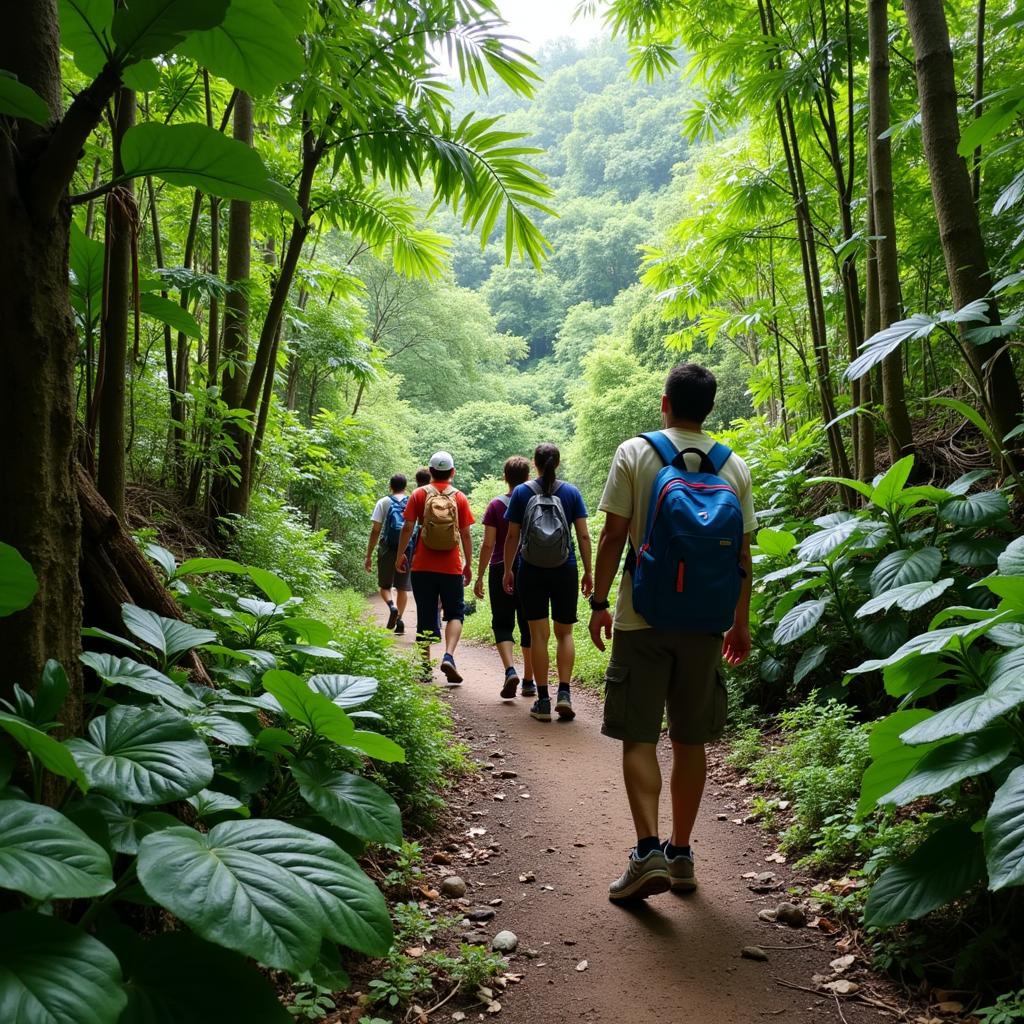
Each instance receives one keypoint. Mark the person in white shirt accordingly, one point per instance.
(656, 672)
(394, 586)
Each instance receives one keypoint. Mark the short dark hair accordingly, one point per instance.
(422, 476)
(441, 474)
(517, 470)
(690, 390)
(397, 483)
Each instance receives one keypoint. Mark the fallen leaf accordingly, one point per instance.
(513, 977)
(415, 951)
(948, 1007)
(776, 858)
(825, 925)
(840, 964)
(476, 831)
(430, 894)
(458, 1015)
(494, 1007)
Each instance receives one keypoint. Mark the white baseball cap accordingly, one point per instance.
(442, 461)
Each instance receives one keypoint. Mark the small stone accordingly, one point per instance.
(483, 914)
(791, 914)
(532, 954)
(582, 965)
(507, 773)
(527, 876)
(494, 903)
(723, 817)
(550, 849)
(570, 942)
(506, 942)
(474, 937)
(842, 987)
(753, 953)
(766, 915)
(497, 753)
(453, 887)
(841, 963)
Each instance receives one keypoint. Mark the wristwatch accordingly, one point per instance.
(599, 606)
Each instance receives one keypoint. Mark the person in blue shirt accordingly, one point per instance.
(548, 577)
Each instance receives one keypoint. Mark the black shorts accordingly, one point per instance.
(387, 575)
(427, 589)
(540, 588)
(505, 609)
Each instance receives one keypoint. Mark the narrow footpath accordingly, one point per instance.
(561, 822)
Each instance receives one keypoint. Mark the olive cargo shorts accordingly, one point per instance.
(654, 671)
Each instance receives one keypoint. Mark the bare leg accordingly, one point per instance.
(385, 596)
(401, 600)
(452, 632)
(505, 653)
(689, 769)
(528, 663)
(565, 651)
(642, 776)
(540, 633)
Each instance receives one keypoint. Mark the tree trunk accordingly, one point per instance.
(979, 91)
(959, 227)
(901, 438)
(38, 349)
(235, 337)
(866, 423)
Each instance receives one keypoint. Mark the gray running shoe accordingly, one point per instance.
(528, 690)
(680, 873)
(642, 878)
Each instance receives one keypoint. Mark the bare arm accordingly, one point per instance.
(736, 644)
(403, 543)
(610, 545)
(586, 556)
(511, 547)
(486, 550)
(467, 550)
(374, 537)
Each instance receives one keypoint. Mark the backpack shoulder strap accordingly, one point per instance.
(719, 455)
(659, 441)
(534, 486)
(505, 499)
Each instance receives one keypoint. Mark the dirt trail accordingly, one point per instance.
(670, 959)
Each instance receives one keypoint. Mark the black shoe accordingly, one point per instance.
(449, 671)
(399, 628)
(392, 617)
(529, 689)
(508, 691)
(563, 706)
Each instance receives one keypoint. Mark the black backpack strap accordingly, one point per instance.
(706, 464)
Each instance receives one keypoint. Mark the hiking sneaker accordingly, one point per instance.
(392, 617)
(449, 671)
(680, 871)
(529, 689)
(563, 706)
(508, 691)
(399, 628)
(541, 709)
(643, 877)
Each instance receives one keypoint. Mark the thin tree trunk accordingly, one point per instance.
(979, 91)
(866, 423)
(122, 226)
(901, 437)
(959, 227)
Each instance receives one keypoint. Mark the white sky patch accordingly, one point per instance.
(539, 21)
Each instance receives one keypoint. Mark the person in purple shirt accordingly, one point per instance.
(505, 608)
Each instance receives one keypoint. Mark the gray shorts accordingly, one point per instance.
(652, 672)
(387, 575)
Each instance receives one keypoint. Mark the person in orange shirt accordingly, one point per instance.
(442, 561)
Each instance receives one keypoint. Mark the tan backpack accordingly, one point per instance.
(440, 519)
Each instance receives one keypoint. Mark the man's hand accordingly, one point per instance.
(368, 564)
(736, 645)
(403, 563)
(478, 588)
(600, 623)
(467, 574)
(508, 581)
(587, 584)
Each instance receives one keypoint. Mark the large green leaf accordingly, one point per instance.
(315, 711)
(196, 156)
(942, 868)
(909, 597)
(127, 825)
(146, 755)
(1009, 588)
(345, 691)
(975, 510)
(85, 31)
(827, 540)
(776, 543)
(254, 48)
(891, 759)
(799, 620)
(48, 857)
(266, 889)
(976, 552)
(374, 745)
(1005, 692)
(1011, 561)
(886, 491)
(952, 763)
(116, 671)
(170, 313)
(85, 257)
(53, 756)
(908, 675)
(1004, 833)
(209, 803)
(18, 584)
(170, 637)
(884, 635)
(177, 977)
(149, 28)
(51, 692)
(809, 661)
(54, 973)
(905, 566)
(349, 801)
(21, 101)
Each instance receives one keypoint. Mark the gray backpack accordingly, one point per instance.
(545, 531)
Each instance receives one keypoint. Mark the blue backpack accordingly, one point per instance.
(687, 574)
(393, 523)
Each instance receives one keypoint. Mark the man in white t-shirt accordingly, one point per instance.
(387, 522)
(655, 671)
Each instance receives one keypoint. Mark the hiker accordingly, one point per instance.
(684, 505)
(506, 609)
(440, 571)
(541, 516)
(388, 519)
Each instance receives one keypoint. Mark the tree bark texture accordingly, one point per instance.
(866, 423)
(963, 245)
(894, 401)
(38, 348)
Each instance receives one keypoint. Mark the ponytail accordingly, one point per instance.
(547, 457)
